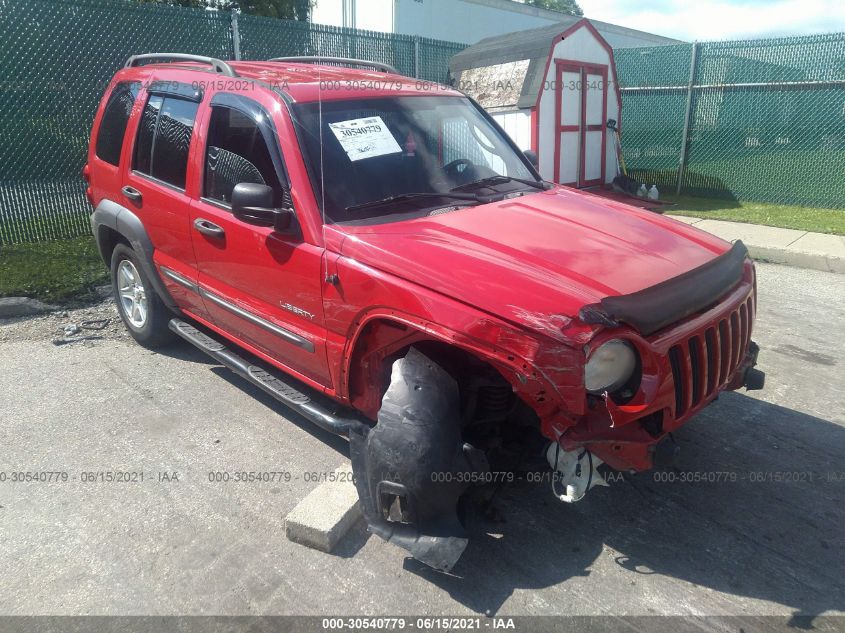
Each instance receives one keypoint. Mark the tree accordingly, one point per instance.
(285, 9)
(194, 4)
(563, 6)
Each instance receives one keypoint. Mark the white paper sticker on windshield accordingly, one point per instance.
(365, 138)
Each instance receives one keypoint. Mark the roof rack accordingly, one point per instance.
(341, 61)
(219, 65)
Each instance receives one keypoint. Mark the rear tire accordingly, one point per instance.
(141, 309)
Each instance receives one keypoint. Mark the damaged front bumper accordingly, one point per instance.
(633, 436)
(413, 469)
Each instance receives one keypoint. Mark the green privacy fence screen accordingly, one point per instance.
(56, 60)
(763, 119)
(753, 120)
(58, 56)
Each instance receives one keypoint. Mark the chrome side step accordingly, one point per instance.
(308, 403)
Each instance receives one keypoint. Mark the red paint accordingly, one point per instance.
(503, 281)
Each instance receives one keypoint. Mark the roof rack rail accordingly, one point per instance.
(219, 65)
(341, 61)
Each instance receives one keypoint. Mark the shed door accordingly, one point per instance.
(581, 110)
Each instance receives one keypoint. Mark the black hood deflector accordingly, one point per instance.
(652, 309)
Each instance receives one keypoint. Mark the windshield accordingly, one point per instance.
(391, 155)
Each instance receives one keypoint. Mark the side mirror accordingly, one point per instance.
(253, 204)
(531, 155)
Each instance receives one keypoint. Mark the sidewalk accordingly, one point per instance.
(780, 246)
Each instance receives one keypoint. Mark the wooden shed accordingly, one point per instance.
(553, 91)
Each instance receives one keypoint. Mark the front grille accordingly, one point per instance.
(704, 362)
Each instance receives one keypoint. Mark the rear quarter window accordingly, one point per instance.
(114, 121)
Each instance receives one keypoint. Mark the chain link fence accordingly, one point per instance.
(58, 57)
(751, 120)
(748, 120)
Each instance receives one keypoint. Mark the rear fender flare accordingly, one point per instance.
(124, 222)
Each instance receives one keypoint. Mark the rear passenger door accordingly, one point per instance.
(155, 186)
(110, 141)
(262, 287)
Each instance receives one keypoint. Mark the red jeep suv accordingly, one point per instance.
(376, 253)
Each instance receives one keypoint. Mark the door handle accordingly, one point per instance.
(133, 194)
(209, 228)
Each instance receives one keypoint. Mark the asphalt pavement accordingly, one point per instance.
(751, 524)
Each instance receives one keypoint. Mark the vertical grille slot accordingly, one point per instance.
(752, 310)
(676, 360)
(696, 373)
(735, 334)
(712, 352)
(708, 359)
(725, 351)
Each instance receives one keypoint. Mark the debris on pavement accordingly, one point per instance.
(97, 324)
(65, 341)
(62, 326)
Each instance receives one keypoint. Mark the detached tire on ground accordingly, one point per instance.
(141, 309)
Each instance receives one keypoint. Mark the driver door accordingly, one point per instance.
(259, 286)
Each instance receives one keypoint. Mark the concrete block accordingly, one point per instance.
(685, 219)
(11, 307)
(751, 234)
(323, 517)
(782, 246)
(828, 251)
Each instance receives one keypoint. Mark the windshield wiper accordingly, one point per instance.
(499, 179)
(451, 195)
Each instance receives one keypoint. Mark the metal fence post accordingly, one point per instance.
(687, 115)
(416, 56)
(236, 36)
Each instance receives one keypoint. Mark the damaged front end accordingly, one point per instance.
(412, 468)
(607, 401)
(691, 336)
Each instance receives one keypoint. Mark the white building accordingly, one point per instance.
(466, 21)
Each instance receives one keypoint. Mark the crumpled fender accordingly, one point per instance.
(408, 467)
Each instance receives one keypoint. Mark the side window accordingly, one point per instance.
(236, 153)
(146, 132)
(164, 136)
(114, 121)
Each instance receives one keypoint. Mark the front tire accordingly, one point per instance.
(141, 309)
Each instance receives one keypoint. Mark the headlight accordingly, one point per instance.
(610, 367)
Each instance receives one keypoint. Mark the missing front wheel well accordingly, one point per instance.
(494, 419)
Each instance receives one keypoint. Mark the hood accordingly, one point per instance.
(538, 257)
